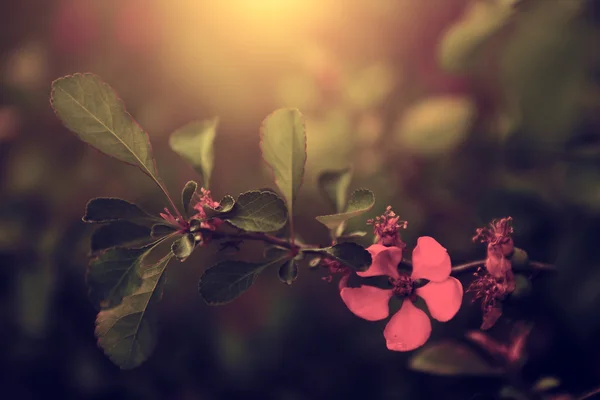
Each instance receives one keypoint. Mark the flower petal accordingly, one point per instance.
(367, 302)
(385, 261)
(408, 329)
(443, 298)
(430, 260)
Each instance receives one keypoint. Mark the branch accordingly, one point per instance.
(473, 265)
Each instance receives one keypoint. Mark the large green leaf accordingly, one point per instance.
(227, 280)
(120, 234)
(361, 201)
(333, 185)
(452, 359)
(113, 275)
(194, 143)
(283, 146)
(93, 110)
(257, 211)
(127, 332)
(107, 209)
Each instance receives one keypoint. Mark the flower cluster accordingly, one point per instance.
(386, 227)
(203, 199)
(497, 281)
(410, 327)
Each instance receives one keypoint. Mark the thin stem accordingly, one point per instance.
(473, 265)
(249, 236)
(589, 395)
(164, 190)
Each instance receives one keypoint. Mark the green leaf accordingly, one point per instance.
(451, 359)
(107, 209)
(283, 146)
(160, 230)
(183, 247)
(186, 195)
(119, 234)
(462, 45)
(361, 201)
(350, 254)
(334, 187)
(225, 205)
(127, 332)
(227, 280)
(194, 143)
(113, 275)
(93, 110)
(256, 211)
(288, 272)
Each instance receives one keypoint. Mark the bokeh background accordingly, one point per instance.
(453, 111)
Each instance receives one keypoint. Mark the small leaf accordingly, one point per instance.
(283, 147)
(361, 201)
(160, 230)
(113, 275)
(227, 280)
(194, 143)
(288, 272)
(334, 187)
(107, 209)
(183, 247)
(225, 205)
(93, 110)
(452, 359)
(119, 234)
(256, 211)
(127, 332)
(186, 195)
(350, 254)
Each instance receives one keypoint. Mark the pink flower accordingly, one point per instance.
(409, 328)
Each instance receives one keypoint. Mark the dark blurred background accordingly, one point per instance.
(453, 111)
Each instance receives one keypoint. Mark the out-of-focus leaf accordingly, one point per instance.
(361, 201)
(119, 234)
(227, 280)
(462, 44)
(93, 110)
(194, 143)
(283, 146)
(333, 185)
(288, 272)
(186, 195)
(183, 247)
(436, 125)
(127, 332)
(544, 70)
(350, 254)
(368, 87)
(451, 359)
(107, 209)
(257, 211)
(546, 383)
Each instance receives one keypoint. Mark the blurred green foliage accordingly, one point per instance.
(516, 132)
